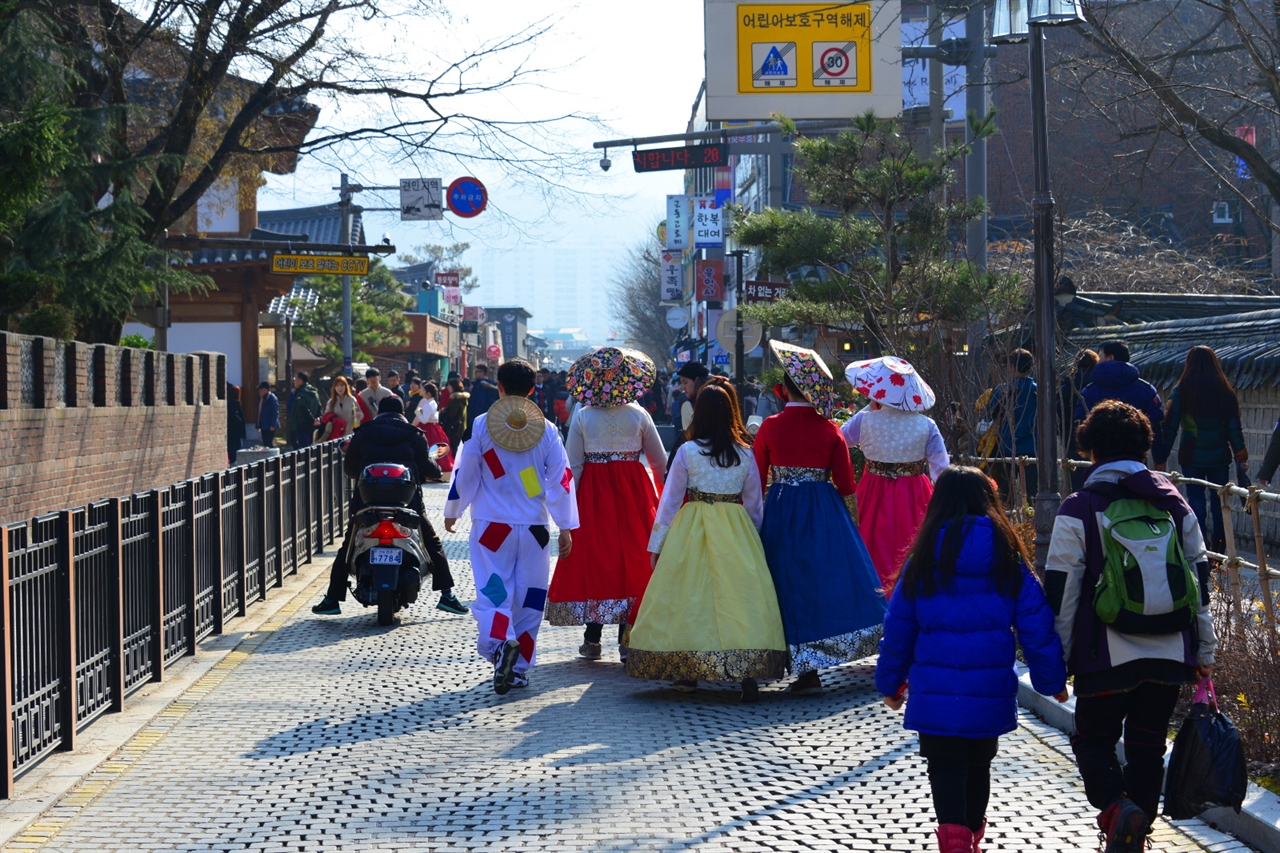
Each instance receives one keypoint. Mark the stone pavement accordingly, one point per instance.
(334, 734)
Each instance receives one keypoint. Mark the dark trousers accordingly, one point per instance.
(1143, 715)
(960, 777)
(441, 578)
(594, 631)
(1198, 495)
(302, 438)
(268, 437)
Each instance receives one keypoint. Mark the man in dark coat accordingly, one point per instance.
(304, 410)
(391, 439)
(268, 413)
(484, 393)
(1114, 378)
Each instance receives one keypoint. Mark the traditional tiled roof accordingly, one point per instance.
(1095, 308)
(321, 224)
(294, 303)
(1247, 344)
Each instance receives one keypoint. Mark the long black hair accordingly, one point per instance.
(716, 420)
(961, 492)
(1204, 388)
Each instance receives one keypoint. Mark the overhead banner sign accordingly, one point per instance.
(755, 292)
(708, 230)
(453, 296)
(447, 279)
(803, 59)
(708, 277)
(672, 277)
(687, 157)
(420, 198)
(677, 222)
(319, 264)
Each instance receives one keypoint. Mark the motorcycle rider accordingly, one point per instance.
(391, 439)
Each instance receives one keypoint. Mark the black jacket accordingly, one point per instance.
(390, 438)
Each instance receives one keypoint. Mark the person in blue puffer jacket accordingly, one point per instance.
(964, 600)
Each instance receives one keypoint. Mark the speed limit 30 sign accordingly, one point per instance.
(835, 63)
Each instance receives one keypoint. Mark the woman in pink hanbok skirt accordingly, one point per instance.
(904, 452)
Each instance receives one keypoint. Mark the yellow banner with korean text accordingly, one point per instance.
(319, 264)
(796, 47)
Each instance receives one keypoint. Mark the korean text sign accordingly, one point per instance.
(709, 280)
(677, 222)
(708, 229)
(672, 277)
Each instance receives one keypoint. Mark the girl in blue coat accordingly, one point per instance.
(964, 600)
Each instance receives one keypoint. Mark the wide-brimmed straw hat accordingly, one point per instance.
(810, 374)
(891, 381)
(515, 424)
(611, 376)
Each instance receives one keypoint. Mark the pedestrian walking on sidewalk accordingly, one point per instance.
(304, 411)
(604, 579)
(342, 405)
(1012, 408)
(828, 591)
(964, 597)
(1204, 407)
(268, 413)
(512, 473)
(1128, 666)
(710, 612)
(904, 452)
(427, 419)
(1114, 378)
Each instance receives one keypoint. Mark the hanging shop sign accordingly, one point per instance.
(319, 264)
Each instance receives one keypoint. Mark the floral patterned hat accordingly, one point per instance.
(611, 376)
(891, 381)
(810, 373)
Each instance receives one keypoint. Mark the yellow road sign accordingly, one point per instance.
(804, 47)
(320, 264)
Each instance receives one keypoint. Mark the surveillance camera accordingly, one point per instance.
(386, 238)
(605, 163)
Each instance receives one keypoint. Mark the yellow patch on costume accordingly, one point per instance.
(532, 483)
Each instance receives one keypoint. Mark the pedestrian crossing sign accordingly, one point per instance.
(792, 56)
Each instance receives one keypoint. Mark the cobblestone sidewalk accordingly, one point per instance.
(334, 734)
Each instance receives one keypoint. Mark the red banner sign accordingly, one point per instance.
(447, 279)
(708, 280)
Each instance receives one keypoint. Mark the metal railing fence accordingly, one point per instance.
(97, 601)
(1253, 497)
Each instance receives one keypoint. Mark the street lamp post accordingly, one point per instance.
(739, 348)
(1015, 22)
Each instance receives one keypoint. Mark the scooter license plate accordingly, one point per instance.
(385, 556)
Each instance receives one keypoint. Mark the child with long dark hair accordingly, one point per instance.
(710, 612)
(964, 599)
(1205, 408)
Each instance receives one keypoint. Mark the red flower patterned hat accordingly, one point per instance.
(891, 381)
(810, 373)
(611, 376)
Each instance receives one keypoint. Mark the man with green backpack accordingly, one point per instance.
(1127, 576)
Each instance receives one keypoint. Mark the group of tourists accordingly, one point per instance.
(737, 558)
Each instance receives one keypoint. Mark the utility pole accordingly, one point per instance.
(345, 193)
(739, 347)
(937, 93)
(975, 104)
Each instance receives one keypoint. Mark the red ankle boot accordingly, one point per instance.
(1123, 826)
(977, 836)
(954, 838)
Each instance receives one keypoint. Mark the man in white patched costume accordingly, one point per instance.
(514, 476)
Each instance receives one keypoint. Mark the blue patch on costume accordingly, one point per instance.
(453, 490)
(535, 599)
(494, 590)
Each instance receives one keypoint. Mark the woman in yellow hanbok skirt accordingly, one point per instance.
(710, 612)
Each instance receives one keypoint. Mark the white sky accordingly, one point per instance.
(634, 66)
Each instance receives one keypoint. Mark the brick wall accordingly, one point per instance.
(82, 422)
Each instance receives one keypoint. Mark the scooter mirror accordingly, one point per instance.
(439, 451)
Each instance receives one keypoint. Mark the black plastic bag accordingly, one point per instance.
(1206, 767)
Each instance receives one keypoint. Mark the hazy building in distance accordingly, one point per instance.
(563, 285)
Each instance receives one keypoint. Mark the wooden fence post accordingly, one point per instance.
(1263, 581)
(1233, 559)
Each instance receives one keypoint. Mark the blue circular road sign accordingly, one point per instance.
(467, 197)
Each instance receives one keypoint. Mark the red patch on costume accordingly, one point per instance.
(897, 380)
(494, 535)
(526, 645)
(499, 629)
(495, 464)
(567, 479)
(880, 394)
(916, 399)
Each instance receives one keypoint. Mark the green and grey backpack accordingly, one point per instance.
(1146, 585)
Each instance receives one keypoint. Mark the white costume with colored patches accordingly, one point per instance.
(512, 496)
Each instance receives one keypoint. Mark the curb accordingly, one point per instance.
(1258, 823)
